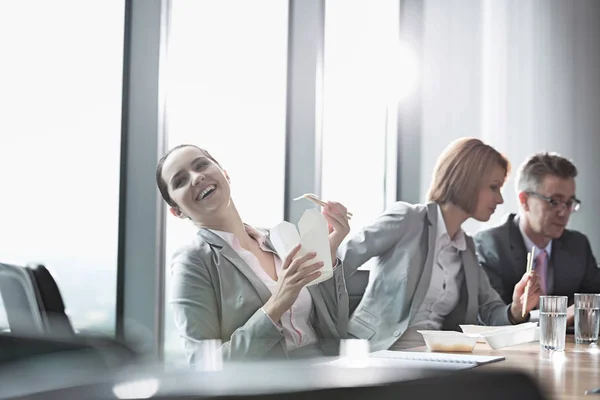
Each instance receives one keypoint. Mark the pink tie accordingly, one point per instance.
(540, 269)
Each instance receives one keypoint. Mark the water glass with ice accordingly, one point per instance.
(587, 318)
(553, 322)
(207, 355)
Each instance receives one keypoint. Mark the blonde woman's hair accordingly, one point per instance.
(460, 170)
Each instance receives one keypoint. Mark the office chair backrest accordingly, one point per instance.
(20, 301)
(50, 301)
(356, 286)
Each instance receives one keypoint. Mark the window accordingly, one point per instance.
(360, 97)
(226, 92)
(60, 117)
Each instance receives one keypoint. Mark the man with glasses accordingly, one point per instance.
(563, 258)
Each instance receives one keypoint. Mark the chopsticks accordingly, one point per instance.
(529, 268)
(315, 199)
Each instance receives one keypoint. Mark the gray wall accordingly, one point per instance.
(524, 76)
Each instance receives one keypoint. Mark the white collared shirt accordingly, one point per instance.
(446, 279)
(295, 322)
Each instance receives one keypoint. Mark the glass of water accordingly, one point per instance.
(354, 353)
(553, 322)
(354, 348)
(587, 318)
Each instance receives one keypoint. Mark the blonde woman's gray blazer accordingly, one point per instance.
(402, 240)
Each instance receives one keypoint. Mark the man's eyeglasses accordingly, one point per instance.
(572, 204)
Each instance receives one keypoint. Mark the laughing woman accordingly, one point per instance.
(230, 284)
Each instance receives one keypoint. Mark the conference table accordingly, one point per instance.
(561, 375)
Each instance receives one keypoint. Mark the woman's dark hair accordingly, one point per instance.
(162, 185)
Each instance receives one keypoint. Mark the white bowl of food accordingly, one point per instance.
(449, 341)
(512, 335)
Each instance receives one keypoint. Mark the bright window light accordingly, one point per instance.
(365, 67)
(226, 92)
(60, 118)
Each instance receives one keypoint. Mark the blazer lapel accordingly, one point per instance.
(231, 255)
(321, 310)
(562, 276)
(517, 247)
(471, 270)
(419, 276)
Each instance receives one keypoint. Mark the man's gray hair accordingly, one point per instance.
(534, 169)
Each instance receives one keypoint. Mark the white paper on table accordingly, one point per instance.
(313, 236)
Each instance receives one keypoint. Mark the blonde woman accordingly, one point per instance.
(426, 274)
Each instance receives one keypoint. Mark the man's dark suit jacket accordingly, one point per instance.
(502, 254)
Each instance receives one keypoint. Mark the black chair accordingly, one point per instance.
(33, 301)
(50, 301)
(356, 286)
(38, 323)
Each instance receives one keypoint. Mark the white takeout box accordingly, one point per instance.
(478, 329)
(313, 236)
(449, 340)
(511, 336)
